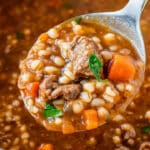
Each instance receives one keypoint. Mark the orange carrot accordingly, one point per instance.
(122, 69)
(32, 89)
(46, 147)
(67, 128)
(90, 118)
(44, 37)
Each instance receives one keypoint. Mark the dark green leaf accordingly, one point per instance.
(78, 20)
(145, 129)
(19, 35)
(105, 80)
(95, 66)
(48, 106)
(51, 111)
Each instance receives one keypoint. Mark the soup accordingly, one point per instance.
(77, 75)
(20, 26)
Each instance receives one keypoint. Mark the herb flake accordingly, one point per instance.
(78, 20)
(19, 35)
(95, 66)
(145, 129)
(51, 111)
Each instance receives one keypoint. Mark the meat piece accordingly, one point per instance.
(122, 148)
(81, 49)
(49, 83)
(69, 92)
(145, 146)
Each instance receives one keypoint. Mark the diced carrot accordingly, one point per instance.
(46, 147)
(90, 119)
(32, 89)
(121, 69)
(67, 128)
(44, 37)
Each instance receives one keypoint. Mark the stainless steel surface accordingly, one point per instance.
(126, 22)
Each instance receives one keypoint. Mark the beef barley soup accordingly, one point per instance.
(62, 92)
(77, 75)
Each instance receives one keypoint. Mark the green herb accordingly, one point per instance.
(51, 111)
(105, 80)
(19, 35)
(78, 20)
(145, 129)
(95, 66)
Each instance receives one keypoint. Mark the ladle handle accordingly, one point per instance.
(134, 8)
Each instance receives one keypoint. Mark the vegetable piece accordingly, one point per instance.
(19, 35)
(78, 20)
(51, 111)
(46, 147)
(121, 69)
(90, 118)
(32, 89)
(44, 37)
(67, 127)
(95, 66)
(145, 129)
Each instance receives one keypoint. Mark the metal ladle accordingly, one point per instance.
(126, 22)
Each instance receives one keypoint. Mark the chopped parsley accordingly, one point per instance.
(78, 20)
(19, 35)
(51, 111)
(145, 129)
(95, 66)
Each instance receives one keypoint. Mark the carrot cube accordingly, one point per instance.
(90, 119)
(122, 69)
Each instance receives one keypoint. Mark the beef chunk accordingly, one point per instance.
(49, 82)
(145, 146)
(81, 49)
(68, 92)
(48, 85)
(51, 90)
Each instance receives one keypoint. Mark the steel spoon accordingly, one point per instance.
(126, 22)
